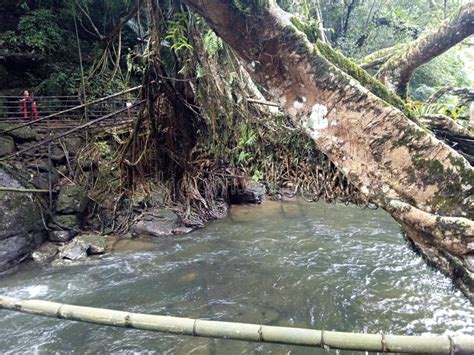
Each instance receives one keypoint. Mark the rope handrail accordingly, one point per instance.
(51, 139)
(71, 109)
(460, 344)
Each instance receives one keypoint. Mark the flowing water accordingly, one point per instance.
(290, 264)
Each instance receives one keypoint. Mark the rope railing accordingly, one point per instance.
(72, 130)
(72, 109)
(427, 344)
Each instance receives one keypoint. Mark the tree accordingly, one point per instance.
(396, 164)
(400, 63)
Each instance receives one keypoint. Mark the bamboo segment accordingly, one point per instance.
(16, 189)
(463, 344)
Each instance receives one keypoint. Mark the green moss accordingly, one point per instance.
(368, 81)
(22, 134)
(432, 166)
(309, 30)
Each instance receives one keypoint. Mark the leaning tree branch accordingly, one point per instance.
(465, 94)
(88, 17)
(123, 21)
(397, 71)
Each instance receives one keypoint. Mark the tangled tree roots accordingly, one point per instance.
(198, 139)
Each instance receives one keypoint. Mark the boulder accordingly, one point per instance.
(159, 222)
(21, 220)
(41, 179)
(254, 193)
(23, 134)
(96, 244)
(74, 144)
(46, 253)
(74, 250)
(61, 236)
(57, 155)
(72, 200)
(7, 145)
(67, 221)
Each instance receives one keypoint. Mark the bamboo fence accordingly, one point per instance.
(461, 344)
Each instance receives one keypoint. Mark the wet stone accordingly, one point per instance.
(74, 250)
(61, 236)
(159, 222)
(46, 253)
(96, 244)
(253, 194)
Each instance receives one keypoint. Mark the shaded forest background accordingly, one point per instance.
(39, 48)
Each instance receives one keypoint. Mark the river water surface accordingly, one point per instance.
(291, 264)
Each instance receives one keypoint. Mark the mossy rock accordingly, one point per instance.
(7, 145)
(23, 134)
(69, 221)
(72, 200)
(97, 244)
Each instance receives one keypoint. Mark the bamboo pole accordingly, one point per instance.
(16, 189)
(71, 109)
(462, 344)
(263, 102)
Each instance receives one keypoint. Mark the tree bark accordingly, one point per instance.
(398, 70)
(422, 182)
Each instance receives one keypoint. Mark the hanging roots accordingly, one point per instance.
(198, 140)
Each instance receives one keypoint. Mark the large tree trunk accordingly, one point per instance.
(423, 183)
(398, 70)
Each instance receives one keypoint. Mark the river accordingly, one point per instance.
(316, 265)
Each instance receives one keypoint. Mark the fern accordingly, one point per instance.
(177, 33)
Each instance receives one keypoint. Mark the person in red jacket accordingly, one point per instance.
(30, 110)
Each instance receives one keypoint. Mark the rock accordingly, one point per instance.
(46, 253)
(72, 200)
(74, 144)
(57, 155)
(74, 250)
(61, 236)
(23, 134)
(41, 180)
(69, 221)
(284, 194)
(96, 244)
(21, 221)
(7, 145)
(254, 194)
(15, 249)
(182, 230)
(158, 223)
(469, 261)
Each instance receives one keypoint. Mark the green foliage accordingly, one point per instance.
(447, 69)
(212, 43)
(177, 33)
(39, 31)
(247, 140)
(450, 108)
(8, 39)
(249, 7)
(104, 149)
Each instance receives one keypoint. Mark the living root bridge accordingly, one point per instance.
(462, 344)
